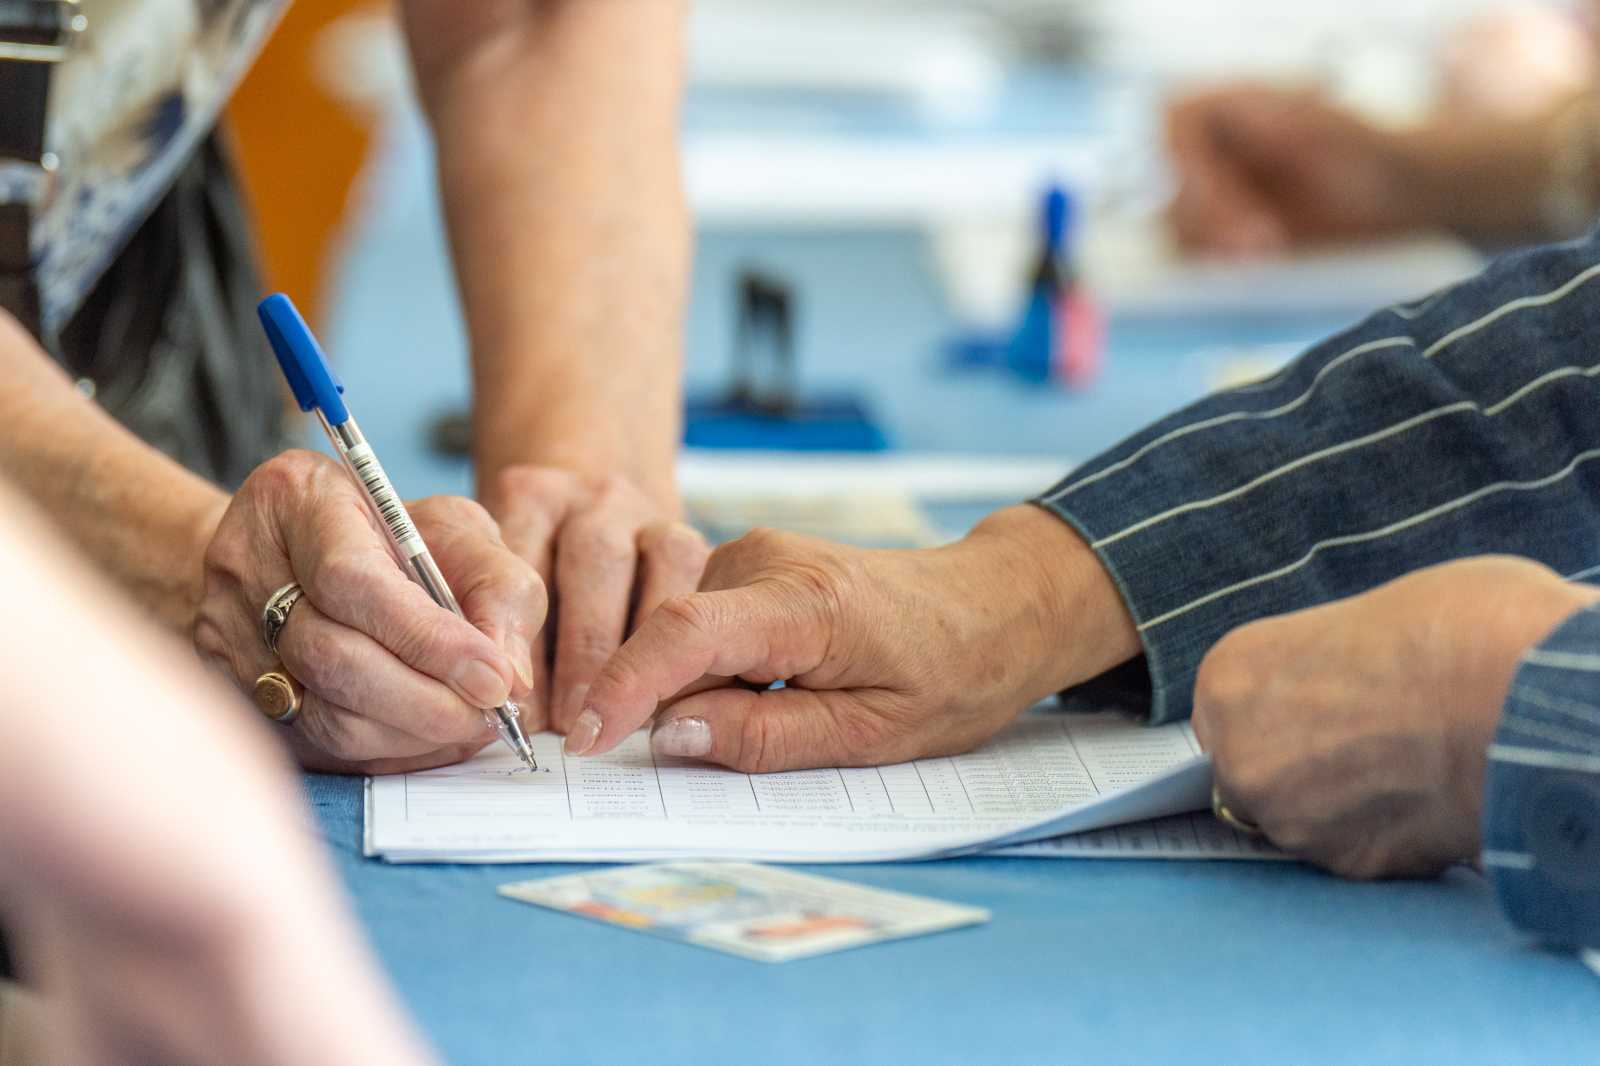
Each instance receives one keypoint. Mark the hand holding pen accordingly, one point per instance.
(391, 680)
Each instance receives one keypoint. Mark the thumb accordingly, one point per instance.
(778, 729)
(761, 632)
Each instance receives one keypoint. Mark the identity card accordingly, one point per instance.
(759, 912)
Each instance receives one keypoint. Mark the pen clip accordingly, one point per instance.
(310, 378)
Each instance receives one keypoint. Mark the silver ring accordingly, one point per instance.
(276, 614)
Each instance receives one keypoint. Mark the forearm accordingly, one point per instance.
(80, 671)
(556, 125)
(112, 876)
(1503, 181)
(1458, 426)
(1036, 580)
(137, 514)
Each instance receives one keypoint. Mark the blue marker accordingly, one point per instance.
(316, 388)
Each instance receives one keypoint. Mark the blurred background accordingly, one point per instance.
(885, 164)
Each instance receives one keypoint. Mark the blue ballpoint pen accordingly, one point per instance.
(316, 388)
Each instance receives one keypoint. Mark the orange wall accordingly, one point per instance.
(299, 151)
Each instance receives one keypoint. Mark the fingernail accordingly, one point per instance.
(584, 732)
(685, 737)
(481, 684)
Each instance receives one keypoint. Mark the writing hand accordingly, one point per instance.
(393, 681)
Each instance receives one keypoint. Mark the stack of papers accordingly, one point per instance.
(1046, 775)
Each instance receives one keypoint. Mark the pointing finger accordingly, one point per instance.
(756, 632)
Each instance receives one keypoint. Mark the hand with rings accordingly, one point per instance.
(305, 607)
(277, 695)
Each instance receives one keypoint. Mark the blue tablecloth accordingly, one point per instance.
(1090, 961)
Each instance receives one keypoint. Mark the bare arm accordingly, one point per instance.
(146, 919)
(1262, 169)
(556, 123)
(137, 514)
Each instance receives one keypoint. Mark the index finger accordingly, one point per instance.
(755, 632)
(347, 570)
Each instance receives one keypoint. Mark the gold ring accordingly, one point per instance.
(1226, 816)
(278, 696)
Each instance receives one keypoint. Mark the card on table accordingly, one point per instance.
(758, 912)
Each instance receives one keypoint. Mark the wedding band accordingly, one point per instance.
(275, 615)
(1226, 816)
(278, 696)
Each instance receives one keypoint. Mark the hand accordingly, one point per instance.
(158, 881)
(610, 556)
(1356, 734)
(886, 655)
(393, 682)
(1260, 170)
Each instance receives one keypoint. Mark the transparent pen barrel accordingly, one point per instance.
(410, 551)
(389, 511)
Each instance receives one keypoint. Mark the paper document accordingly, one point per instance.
(1046, 774)
(1180, 836)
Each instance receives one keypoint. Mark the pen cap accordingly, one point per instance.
(311, 379)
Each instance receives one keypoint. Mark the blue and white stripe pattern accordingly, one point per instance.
(1541, 826)
(1465, 424)
(1468, 425)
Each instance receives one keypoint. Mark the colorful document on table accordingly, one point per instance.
(1049, 773)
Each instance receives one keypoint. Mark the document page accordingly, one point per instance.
(1047, 773)
(1180, 836)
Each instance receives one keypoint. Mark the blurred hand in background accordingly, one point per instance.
(162, 891)
(1510, 153)
(1261, 170)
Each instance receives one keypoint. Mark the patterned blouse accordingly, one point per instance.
(142, 85)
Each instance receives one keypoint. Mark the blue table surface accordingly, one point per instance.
(1094, 961)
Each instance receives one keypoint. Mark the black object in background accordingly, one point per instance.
(763, 347)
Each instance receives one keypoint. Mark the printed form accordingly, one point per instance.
(1047, 774)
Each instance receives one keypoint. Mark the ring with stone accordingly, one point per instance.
(278, 696)
(275, 615)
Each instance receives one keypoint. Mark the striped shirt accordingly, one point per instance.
(1464, 424)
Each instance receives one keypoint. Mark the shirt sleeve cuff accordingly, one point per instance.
(1541, 812)
(1159, 684)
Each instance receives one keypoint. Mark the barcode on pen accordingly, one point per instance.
(384, 499)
